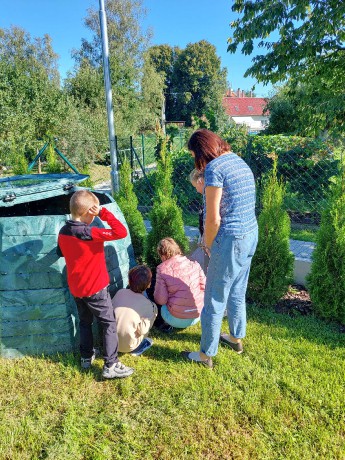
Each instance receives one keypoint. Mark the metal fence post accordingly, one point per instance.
(131, 154)
(143, 149)
(108, 95)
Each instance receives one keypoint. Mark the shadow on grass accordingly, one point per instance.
(308, 327)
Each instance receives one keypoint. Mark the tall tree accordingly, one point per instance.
(31, 101)
(283, 113)
(127, 45)
(163, 58)
(199, 82)
(303, 41)
(194, 81)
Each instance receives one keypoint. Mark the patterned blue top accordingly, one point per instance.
(237, 205)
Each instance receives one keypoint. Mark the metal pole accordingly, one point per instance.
(108, 95)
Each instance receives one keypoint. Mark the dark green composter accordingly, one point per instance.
(37, 313)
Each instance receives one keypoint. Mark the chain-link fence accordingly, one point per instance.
(307, 170)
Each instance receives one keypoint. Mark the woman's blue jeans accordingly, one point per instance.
(226, 286)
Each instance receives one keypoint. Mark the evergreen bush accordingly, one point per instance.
(326, 281)
(53, 163)
(272, 265)
(128, 203)
(165, 216)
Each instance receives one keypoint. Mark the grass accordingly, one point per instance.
(303, 232)
(282, 399)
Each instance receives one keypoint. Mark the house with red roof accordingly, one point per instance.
(244, 110)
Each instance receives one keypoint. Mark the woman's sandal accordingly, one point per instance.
(235, 346)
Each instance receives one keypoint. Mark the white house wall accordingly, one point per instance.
(255, 122)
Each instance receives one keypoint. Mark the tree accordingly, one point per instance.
(272, 265)
(199, 81)
(163, 58)
(152, 98)
(128, 203)
(165, 216)
(308, 51)
(283, 113)
(31, 102)
(127, 45)
(195, 83)
(326, 281)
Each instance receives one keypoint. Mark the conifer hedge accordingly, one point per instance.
(272, 265)
(128, 203)
(165, 216)
(326, 281)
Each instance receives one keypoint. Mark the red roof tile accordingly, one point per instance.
(244, 106)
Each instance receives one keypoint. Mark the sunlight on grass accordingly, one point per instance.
(282, 399)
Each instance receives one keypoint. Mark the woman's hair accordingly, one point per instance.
(139, 278)
(206, 146)
(168, 247)
(195, 175)
(81, 201)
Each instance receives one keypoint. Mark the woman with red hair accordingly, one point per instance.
(230, 238)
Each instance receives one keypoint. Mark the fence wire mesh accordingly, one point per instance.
(306, 170)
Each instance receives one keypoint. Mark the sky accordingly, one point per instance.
(173, 22)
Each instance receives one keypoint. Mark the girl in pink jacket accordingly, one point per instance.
(180, 286)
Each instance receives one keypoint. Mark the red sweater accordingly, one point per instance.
(83, 248)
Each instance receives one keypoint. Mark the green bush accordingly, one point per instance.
(237, 137)
(272, 265)
(165, 216)
(21, 166)
(187, 198)
(128, 203)
(53, 164)
(326, 281)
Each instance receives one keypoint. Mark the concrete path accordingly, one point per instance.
(301, 249)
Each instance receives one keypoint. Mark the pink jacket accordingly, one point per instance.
(180, 284)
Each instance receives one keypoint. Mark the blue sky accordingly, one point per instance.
(175, 22)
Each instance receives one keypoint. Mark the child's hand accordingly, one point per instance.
(95, 210)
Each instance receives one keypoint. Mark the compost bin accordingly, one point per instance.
(37, 313)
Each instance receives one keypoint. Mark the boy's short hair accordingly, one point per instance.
(81, 201)
(139, 278)
(195, 175)
(168, 247)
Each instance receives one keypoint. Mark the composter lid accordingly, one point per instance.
(33, 187)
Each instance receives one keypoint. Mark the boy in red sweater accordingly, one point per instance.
(83, 248)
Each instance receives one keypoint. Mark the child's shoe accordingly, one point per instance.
(145, 345)
(87, 362)
(117, 370)
(165, 328)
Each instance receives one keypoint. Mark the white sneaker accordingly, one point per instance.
(117, 370)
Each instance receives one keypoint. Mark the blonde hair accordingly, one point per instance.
(81, 201)
(196, 175)
(168, 248)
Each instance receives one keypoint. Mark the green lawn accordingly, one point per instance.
(282, 399)
(303, 232)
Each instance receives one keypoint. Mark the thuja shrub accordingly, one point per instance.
(272, 265)
(165, 216)
(128, 203)
(326, 281)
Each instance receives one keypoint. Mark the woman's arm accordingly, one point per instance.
(212, 221)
